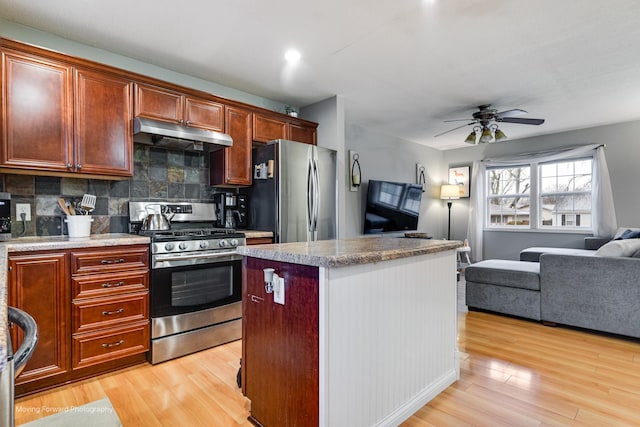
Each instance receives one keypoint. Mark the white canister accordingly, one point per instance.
(79, 226)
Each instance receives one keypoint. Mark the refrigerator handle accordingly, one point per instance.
(316, 197)
(310, 185)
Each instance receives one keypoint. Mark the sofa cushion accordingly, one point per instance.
(513, 274)
(533, 254)
(617, 248)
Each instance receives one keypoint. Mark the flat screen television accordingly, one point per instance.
(392, 206)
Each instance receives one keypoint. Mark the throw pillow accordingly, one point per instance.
(629, 234)
(617, 248)
(623, 230)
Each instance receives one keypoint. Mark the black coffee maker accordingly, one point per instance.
(231, 210)
(5, 216)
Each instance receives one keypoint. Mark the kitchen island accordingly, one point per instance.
(366, 335)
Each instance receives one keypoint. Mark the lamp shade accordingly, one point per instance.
(486, 135)
(449, 192)
(471, 139)
(500, 136)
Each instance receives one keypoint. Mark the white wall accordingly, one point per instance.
(623, 158)
(392, 159)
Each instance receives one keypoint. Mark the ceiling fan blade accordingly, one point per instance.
(456, 120)
(511, 113)
(520, 120)
(456, 128)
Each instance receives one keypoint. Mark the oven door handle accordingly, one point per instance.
(160, 258)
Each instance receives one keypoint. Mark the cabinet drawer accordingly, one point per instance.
(109, 284)
(102, 346)
(96, 313)
(123, 258)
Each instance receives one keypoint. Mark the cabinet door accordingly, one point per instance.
(203, 114)
(302, 133)
(103, 124)
(232, 165)
(280, 362)
(157, 103)
(38, 285)
(37, 113)
(268, 128)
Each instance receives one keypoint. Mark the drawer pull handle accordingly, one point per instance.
(112, 285)
(113, 344)
(112, 261)
(110, 313)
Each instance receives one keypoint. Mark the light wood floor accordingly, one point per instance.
(513, 373)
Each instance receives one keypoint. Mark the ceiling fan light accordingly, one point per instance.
(500, 136)
(471, 139)
(486, 135)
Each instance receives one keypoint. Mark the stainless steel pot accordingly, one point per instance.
(157, 221)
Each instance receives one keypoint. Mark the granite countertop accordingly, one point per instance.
(345, 252)
(26, 244)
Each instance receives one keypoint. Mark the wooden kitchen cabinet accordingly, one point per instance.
(37, 113)
(267, 127)
(103, 124)
(62, 119)
(259, 240)
(232, 165)
(91, 307)
(115, 323)
(39, 285)
(275, 336)
(167, 105)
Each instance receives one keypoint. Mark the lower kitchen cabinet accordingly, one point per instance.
(39, 285)
(92, 310)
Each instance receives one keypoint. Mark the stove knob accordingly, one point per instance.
(234, 242)
(204, 244)
(169, 246)
(182, 246)
(222, 243)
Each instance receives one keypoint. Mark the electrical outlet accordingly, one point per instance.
(278, 291)
(23, 208)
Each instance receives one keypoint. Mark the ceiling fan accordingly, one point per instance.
(485, 122)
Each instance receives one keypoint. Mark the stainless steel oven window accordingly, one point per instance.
(202, 286)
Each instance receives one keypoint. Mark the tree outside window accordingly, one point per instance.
(509, 196)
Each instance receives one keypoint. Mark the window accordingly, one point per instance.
(565, 194)
(550, 195)
(508, 196)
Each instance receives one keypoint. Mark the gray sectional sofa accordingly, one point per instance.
(595, 288)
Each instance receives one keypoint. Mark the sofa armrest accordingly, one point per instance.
(601, 293)
(594, 243)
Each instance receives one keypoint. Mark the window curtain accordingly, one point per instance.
(604, 214)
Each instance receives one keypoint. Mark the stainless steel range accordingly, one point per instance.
(196, 278)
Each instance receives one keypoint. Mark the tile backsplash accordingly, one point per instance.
(159, 174)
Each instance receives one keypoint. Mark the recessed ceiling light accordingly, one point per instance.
(292, 56)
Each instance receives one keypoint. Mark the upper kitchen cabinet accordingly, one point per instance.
(37, 113)
(267, 127)
(103, 124)
(59, 118)
(159, 103)
(232, 165)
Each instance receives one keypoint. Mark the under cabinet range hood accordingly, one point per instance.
(177, 137)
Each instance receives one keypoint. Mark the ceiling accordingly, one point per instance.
(401, 66)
